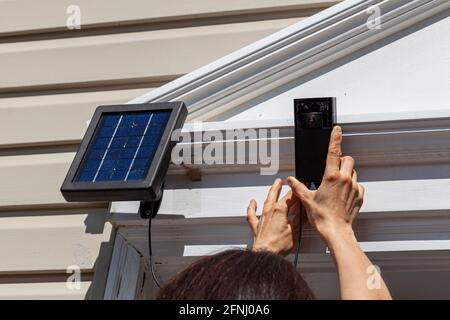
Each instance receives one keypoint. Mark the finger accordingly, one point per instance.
(347, 166)
(354, 176)
(285, 204)
(361, 192)
(252, 219)
(359, 202)
(274, 191)
(295, 224)
(288, 200)
(294, 212)
(299, 189)
(334, 150)
(355, 213)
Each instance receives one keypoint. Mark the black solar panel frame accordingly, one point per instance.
(147, 189)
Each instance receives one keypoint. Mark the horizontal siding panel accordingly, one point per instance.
(33, 179)
(19, 16)
(152, 54)
(46, 119)
(53, 242)
(42, 290)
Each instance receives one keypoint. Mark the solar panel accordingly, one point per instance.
(125, 153)
(123, 146)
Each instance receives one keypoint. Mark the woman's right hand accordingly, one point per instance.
(333, 207)
(332, 210)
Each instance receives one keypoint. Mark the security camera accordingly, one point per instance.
(314, 120)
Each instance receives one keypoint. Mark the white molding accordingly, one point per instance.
(416, 141)
(407, 235)
(407, 245)
(203, 250)
(289, 54)
(366, 246)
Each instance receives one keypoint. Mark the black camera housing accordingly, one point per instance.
(314, 120)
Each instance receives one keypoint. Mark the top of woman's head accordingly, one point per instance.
(238, 274)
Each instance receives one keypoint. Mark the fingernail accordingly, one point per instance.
(289, 181)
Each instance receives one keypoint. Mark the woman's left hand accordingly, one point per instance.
(277, 229)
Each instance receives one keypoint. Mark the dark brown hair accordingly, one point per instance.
(238, 274)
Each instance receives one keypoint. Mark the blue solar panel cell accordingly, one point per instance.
(136, 175)
(87, 176)
(95, 154)
(111, 120)
(139, 163)
(101, 143)
(106, 132)
(124, 146)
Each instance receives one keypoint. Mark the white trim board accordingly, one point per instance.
(206, 199)
(412, 141)
(376, 231)
(411, 245)
(369, 246)
(204, 250)
(289, 54)
(370, 143)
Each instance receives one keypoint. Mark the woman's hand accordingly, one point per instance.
(333, 207)
(332, 210)
(275, 231)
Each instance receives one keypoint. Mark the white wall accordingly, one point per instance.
(406, 75)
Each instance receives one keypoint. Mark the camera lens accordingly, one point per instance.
(311, 120)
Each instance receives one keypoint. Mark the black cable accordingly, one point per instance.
(302, 215)
(150, 257)
(297, 250)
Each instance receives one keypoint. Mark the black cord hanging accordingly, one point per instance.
(150, 254)
(148, 210)
(302, 215)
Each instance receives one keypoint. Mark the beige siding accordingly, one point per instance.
(51, 14)
(53, 119)
(51, 81)
(33, 179)
(43, 290)
(152, 54)
(76, 238)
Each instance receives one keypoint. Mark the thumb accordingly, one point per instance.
(300, 190)
(252, 219)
